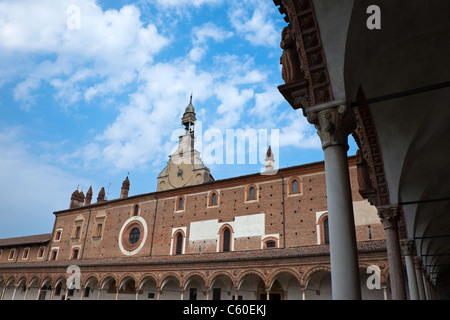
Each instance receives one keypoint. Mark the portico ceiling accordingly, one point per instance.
(404, 71)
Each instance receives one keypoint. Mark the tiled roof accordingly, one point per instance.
(38, 238)
(372, 246)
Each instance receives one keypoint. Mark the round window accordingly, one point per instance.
(135, 234)
(132, 235)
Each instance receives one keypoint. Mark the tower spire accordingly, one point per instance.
(188, 119)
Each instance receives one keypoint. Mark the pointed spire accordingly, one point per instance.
(188, 119)
(101, 195)
(88, 199)
(125, 188)
(270, 162)
(75, 199)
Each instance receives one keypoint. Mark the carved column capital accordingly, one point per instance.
(333, 123)
(407, 246)
(389, 216)
(418, 262)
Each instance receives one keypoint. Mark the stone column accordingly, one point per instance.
(389, 217)
(158, 295)
(334, 123)
(425, 282)
(14, 293)
(385, 294)
(408, 251)
(418, 267)
(3, 291)
(137, 294)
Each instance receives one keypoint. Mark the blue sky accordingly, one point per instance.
(85, 102)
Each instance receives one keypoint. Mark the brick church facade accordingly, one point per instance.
(253, 237)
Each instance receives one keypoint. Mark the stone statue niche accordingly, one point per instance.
(291, 70)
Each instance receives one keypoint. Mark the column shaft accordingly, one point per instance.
(334, 122)
(418, 267)
(343, 253)
(389, 216)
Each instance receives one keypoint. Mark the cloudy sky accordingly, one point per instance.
(93, 91)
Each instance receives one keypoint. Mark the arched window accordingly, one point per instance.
(53, 255)
(270, 244)
(75, 254)
(252, 194)
(213, 199)
(295, 186)
(226, 240)
(136, 210)
(180, 204)
(179, 244)
(326, 235)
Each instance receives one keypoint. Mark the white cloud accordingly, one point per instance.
(201, 35)
(297, 132)
(183, 3)
(210, 31)
(196, 54)
(257, 27)
(109, 47)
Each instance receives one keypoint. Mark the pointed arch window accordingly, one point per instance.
(252, 193)
(180, 203)
(323, 229)
(295, 186)
(226, 240)
(213, 199)
(326, 234)
(178, 242)
(179, 248)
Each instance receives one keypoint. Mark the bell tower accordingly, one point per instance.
(185, 166)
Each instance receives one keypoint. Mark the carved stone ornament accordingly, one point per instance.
(302, 46)
(407, 246)
(291, 70)
(296, 94)
(389, 216)
(333, 124)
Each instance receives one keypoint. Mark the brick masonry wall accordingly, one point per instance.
(292, 224)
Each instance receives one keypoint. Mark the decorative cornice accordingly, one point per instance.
(316, 88)
(366, 138)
